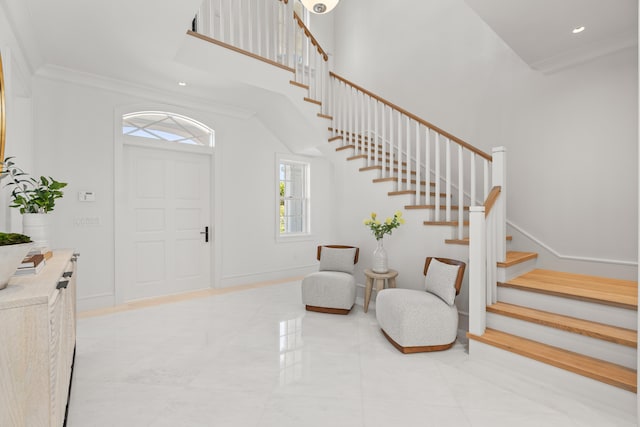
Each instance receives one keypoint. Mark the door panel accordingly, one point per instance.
(167, 207)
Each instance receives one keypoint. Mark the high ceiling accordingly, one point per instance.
(540, 31)
(137, 40)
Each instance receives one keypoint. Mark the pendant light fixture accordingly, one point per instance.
(319, 6)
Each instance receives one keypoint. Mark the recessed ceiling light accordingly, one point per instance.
(578, 30)
(182, 83)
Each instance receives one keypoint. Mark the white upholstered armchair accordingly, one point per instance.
(333, 288)
(423, 320)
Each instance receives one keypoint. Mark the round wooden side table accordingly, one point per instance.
(389, 276)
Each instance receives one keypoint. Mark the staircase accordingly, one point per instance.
(572, 331)
(554, 325)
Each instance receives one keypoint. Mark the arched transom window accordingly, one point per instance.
(169, 127)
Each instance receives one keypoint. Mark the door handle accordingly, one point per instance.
(206, 234)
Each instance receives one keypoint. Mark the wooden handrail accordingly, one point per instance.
(491, 199)
(313, 39)
(416, 118)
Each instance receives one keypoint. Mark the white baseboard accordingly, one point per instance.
(95, 302)
(265, 276)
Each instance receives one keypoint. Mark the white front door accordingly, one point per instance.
(167, 212)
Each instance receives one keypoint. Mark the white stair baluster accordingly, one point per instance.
(354, 129)
(340, 100)
(347, 131)
(334, 106)
(363, 121)
(250, 25)
(274, 30)
(399, 155)
(436, 178)
(292, 25)
(427, 171)
(376, 134)
(487, 183)
(472, 174)
(265, 29)
(316, 84)
(240, 25)
(447, 182)
(460, 194)
(259, 25)
(370, 160)
(219, 21)
(326, 89)
(383, 140)
(232, 27)
(419, 167)
(391, 142)
(407, 150)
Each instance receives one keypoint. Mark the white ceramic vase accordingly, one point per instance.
(380, 263)
(10, 258)
(36, 226)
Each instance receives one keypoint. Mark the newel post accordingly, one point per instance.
(477, 270)
(499, 178)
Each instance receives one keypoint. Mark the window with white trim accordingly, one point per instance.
(293, 197)
(167, 127)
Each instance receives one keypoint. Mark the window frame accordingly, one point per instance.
(159, 141)
(306, 185)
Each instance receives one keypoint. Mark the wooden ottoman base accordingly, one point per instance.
(328, 310)
(417, 349)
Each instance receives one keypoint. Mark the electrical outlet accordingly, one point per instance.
(88, 221)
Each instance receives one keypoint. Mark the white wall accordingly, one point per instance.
(571, 136)
(74, 133)
(19, 138)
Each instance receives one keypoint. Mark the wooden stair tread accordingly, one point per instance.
(364, 156)
(295, 83)
(616, 292)
(395, 170)
(344, 147)
(449, 223)
(515, 257)
(370, 168)
(325, 116)
(335, 138)
(622, 336)
(430, 207)
(410, 192)
(465, 241)
(395, 178)
(313, 101)
(606, 372)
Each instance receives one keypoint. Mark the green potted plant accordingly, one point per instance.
(33, 197)
(13, 248)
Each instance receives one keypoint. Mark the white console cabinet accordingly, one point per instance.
(37, 344)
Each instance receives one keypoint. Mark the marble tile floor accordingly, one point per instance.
(257, 358)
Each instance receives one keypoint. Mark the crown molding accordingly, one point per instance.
(586, 53)
(66, 75)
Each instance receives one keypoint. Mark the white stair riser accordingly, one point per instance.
(507, 273)
(569, 307)
(592, 392)
(593, 347)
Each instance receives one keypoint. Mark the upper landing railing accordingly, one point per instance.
(444, 174)
(270, 30)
